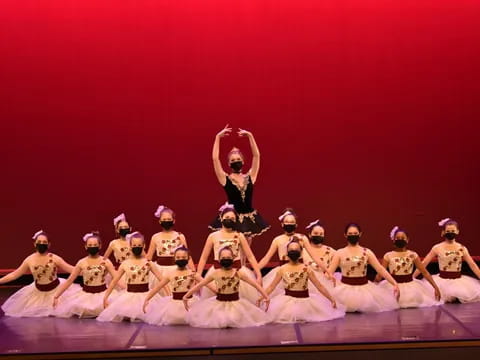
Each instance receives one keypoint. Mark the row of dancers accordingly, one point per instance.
(304, 287)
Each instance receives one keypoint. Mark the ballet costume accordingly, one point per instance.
(452, 284)
(36, 299)
(227, 309)
(413, 292)
(297, 304)
(170, 310)
(120, 253)
(282, 241)
(88, 301)
(129, 304)
(246, 291)
(356, 292)
(164, 249)
(326, 259)
(250, 222)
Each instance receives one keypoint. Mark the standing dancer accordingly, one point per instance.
(119, 247)
(228, 308)
(88, 302)
(36, 299)
(354, 290)
(228, 236)
(400, 263)
(297, 304)
(239, 186)
(453, 285)
(163, 244)
(129, 304)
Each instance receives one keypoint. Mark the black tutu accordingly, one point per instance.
(250, 224)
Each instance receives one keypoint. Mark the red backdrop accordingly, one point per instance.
(363, 110)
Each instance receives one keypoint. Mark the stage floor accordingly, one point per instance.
(446, 323)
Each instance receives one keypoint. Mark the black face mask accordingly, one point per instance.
(93, 250)
(124, 232)
(294, 255)
(450, 235)
(228, 223)
(400, 243)
(41, 248)
(317, 239)
(226, 263)
(181, 263)
(236, 166)
(137, 250)
(353, 239)
(167, 225)
(289, 228)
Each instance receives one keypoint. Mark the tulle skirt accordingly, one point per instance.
(168, 311)
(465, 288)
(245, 290)
(125, 305)
(212, 313)
(249, 227)
(413, 294)
(364, 298)
(82, 304)
(288, 309)
(268, 279)
(327, 284)
(31, 302)
(153, 281)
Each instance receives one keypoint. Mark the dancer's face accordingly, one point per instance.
(234, 158)
(289, 220)
(93, 242)
(41, 239)
(353, 230)
(317, 231)
(229, 215)
(181, 255)
(401, 236)
(225, 254)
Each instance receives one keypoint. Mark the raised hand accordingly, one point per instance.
(242, 132)
(225, 132)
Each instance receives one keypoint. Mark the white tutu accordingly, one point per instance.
(212, 313)
(153, 281)
(246, 291)
(327, 284)
(364, 298)
(288, 309)
(167, 311)
(268, 279)
(413, 294)
(466, 289)
(125, 305)
(82, 304)
(31, 302)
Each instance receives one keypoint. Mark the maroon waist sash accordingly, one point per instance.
(361, 280)
(237, 264)
(47, 287)
(403, 278)
(166, 260)
(228, 297)
(450, 274)
(94, 289)
(297, 293)
(179, 295)
(137, 287)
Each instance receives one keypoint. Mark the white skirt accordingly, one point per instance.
(245, 290)
(466, 289)
(125, 305)
(288, 309)
(82, 304)
(365, 298)
(167, 311)
(268, 279)
(153, 281)
(413, 294)
(31, 302)
(327, 284)
(212, 313)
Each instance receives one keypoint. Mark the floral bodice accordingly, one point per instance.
(233, 243)
(138, 274)
(354, 266)
(94, 275)
(296, 280)
(182, 283)
(166, 247)
(45, 274)
(401, 263)
(120, 252)
(326, 258)
(451, 260)
(228, 284)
